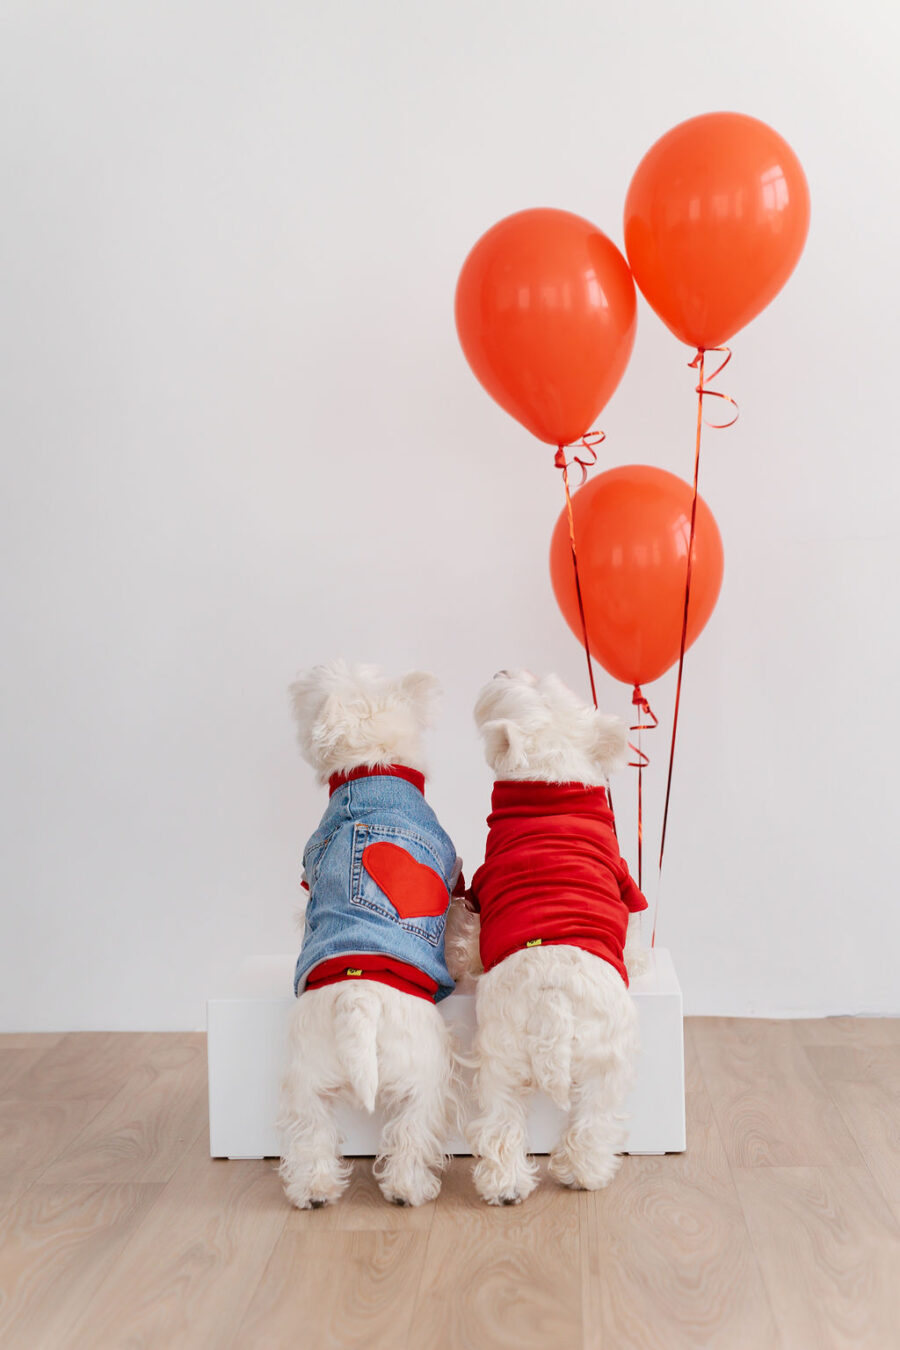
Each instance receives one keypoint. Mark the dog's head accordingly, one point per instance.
(538, 729)
(349, 715)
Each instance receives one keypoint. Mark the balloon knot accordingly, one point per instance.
(587, 444)
(639, 701)
(703, 391)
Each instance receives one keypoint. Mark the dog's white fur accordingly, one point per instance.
(363, 1040)
(348, 715)
(555, 1018)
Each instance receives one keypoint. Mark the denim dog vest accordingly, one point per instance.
(380, 871)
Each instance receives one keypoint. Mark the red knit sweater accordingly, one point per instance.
(553, 873)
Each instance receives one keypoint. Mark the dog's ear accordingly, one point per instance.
(504, 746)
(422, 691)
(610, 742)
(305, 695)
(331, 723)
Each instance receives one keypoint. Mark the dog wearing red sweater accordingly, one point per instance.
(556, 905)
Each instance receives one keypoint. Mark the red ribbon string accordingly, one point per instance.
(702, 391)
(589, 442)
(643, 759)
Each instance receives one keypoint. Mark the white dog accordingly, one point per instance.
(554, 895)
(380, 871)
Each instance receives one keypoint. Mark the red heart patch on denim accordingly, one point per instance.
(415, 890)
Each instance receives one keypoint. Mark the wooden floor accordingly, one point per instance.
(779, 1227)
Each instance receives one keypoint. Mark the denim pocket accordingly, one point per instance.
(368, 894)
(313, 855)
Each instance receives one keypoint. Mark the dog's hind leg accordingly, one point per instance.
(313, 1172)
(408, 1166)
(504, 1174)
(416, 1067)
(312, 1168)
(587, 1156)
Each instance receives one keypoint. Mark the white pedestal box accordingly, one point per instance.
(247, 1027)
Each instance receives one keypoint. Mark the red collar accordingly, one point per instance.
(379, 771)
(527, 796)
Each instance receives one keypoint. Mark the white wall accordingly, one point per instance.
(239, 436)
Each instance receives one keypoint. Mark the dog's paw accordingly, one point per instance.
(637, 960)
(300, 1198)
(422, 1195)
(588, 1172)
(410, 1187)
(507, 1195)
(314, 1192)
(502, 1186)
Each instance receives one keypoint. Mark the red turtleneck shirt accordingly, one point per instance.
(553, 874)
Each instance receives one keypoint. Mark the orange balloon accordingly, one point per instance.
(546, 314)
(715, 220)
(632, 527)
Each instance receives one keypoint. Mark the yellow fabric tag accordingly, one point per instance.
(534, 942)
(351, 971)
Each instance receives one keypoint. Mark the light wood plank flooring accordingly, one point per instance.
(778, 1228)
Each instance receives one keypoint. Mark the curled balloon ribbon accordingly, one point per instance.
(702, 391)
(588, 443)
(643, 759)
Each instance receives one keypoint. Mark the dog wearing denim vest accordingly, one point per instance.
(559, 931)
(379, 871)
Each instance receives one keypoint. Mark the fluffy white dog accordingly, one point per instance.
(555, 901)
(380, 871)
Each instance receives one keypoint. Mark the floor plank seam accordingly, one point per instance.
(863, 1151)
(418, 1294)
(239, 1320)
(698, 1057)
(583, 1263)
(84, 1317)
(102, 1103)
(754, 1247)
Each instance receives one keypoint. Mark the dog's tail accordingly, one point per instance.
(550, 1030)
(357, 1012)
